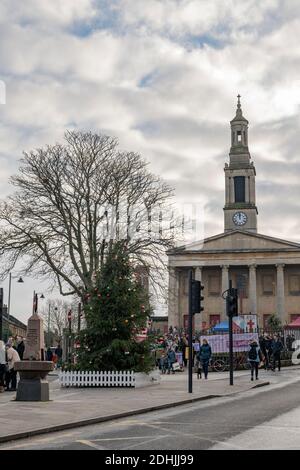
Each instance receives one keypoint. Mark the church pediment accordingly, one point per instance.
(238, 240)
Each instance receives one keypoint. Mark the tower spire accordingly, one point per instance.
(239, 112)
(240, 210)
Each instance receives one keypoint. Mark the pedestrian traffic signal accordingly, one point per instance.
(232, 303)
(197, 298)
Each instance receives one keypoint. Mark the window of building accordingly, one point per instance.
(265, 320)
(186, 322)
(268, 284)
(214, 285)
(242, 284)
(294, 284)
(214, 319)
(294, 316)
(239, 188)
(239, 136)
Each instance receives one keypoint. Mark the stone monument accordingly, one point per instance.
(33, 370)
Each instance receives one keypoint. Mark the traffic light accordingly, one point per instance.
(197, 297)
(232, 303)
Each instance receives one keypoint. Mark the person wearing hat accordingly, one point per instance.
(11, 375)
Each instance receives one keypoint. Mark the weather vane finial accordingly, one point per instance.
(239, 102)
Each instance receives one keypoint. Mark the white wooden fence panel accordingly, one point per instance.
(97, 379)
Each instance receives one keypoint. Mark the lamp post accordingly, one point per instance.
(9, 297)
(48, 332)
(69, 316)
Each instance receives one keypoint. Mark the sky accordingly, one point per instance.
(162, 77)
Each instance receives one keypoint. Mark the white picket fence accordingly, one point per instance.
(97, 379)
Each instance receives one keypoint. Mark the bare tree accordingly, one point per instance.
(55, 316)
(72, 202)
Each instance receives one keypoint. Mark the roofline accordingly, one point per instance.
(14, 320)
(185, 248)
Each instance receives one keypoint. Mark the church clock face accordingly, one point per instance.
(240, 218)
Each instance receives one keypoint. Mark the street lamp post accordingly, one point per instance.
(9, 297)
(48, 329)
(48, 335)
(70, 337)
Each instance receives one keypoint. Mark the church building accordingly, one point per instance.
(266, 270)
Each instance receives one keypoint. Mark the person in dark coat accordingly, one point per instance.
(59, 352)
(254, 358)
(263, 344)
(204, 355)
(269, 343)
(277, 347)
(171, 359)
(49, 354)
(20, 347)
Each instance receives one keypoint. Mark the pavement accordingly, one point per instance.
(73, 407)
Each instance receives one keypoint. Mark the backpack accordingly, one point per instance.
(252, 353)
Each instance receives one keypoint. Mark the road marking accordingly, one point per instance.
(128, 438)
(91, 444)
(145, 442)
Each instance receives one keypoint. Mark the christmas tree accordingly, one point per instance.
(115, 311)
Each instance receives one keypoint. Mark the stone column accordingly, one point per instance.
(173, 298)
(252, 289)
(225, 285)
(227, 190)
(252, 189)
(198, 273)
(280, 291)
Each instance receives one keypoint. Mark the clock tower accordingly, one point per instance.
(240, 210)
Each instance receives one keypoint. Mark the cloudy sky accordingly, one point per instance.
(162, 76)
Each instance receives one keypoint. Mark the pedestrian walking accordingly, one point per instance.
(254, 358)
(163, 363)
(59, 352)
(204, 355)
(171, 359)
(2, 365)
(49, 354)
(268, 345)
(197, 359)
(277, 347)
(262, 345)
(183, 347)
(11, 375)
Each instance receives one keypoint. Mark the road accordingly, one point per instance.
(265, 418)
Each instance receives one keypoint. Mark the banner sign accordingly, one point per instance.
(246, 322)
(220, 343)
